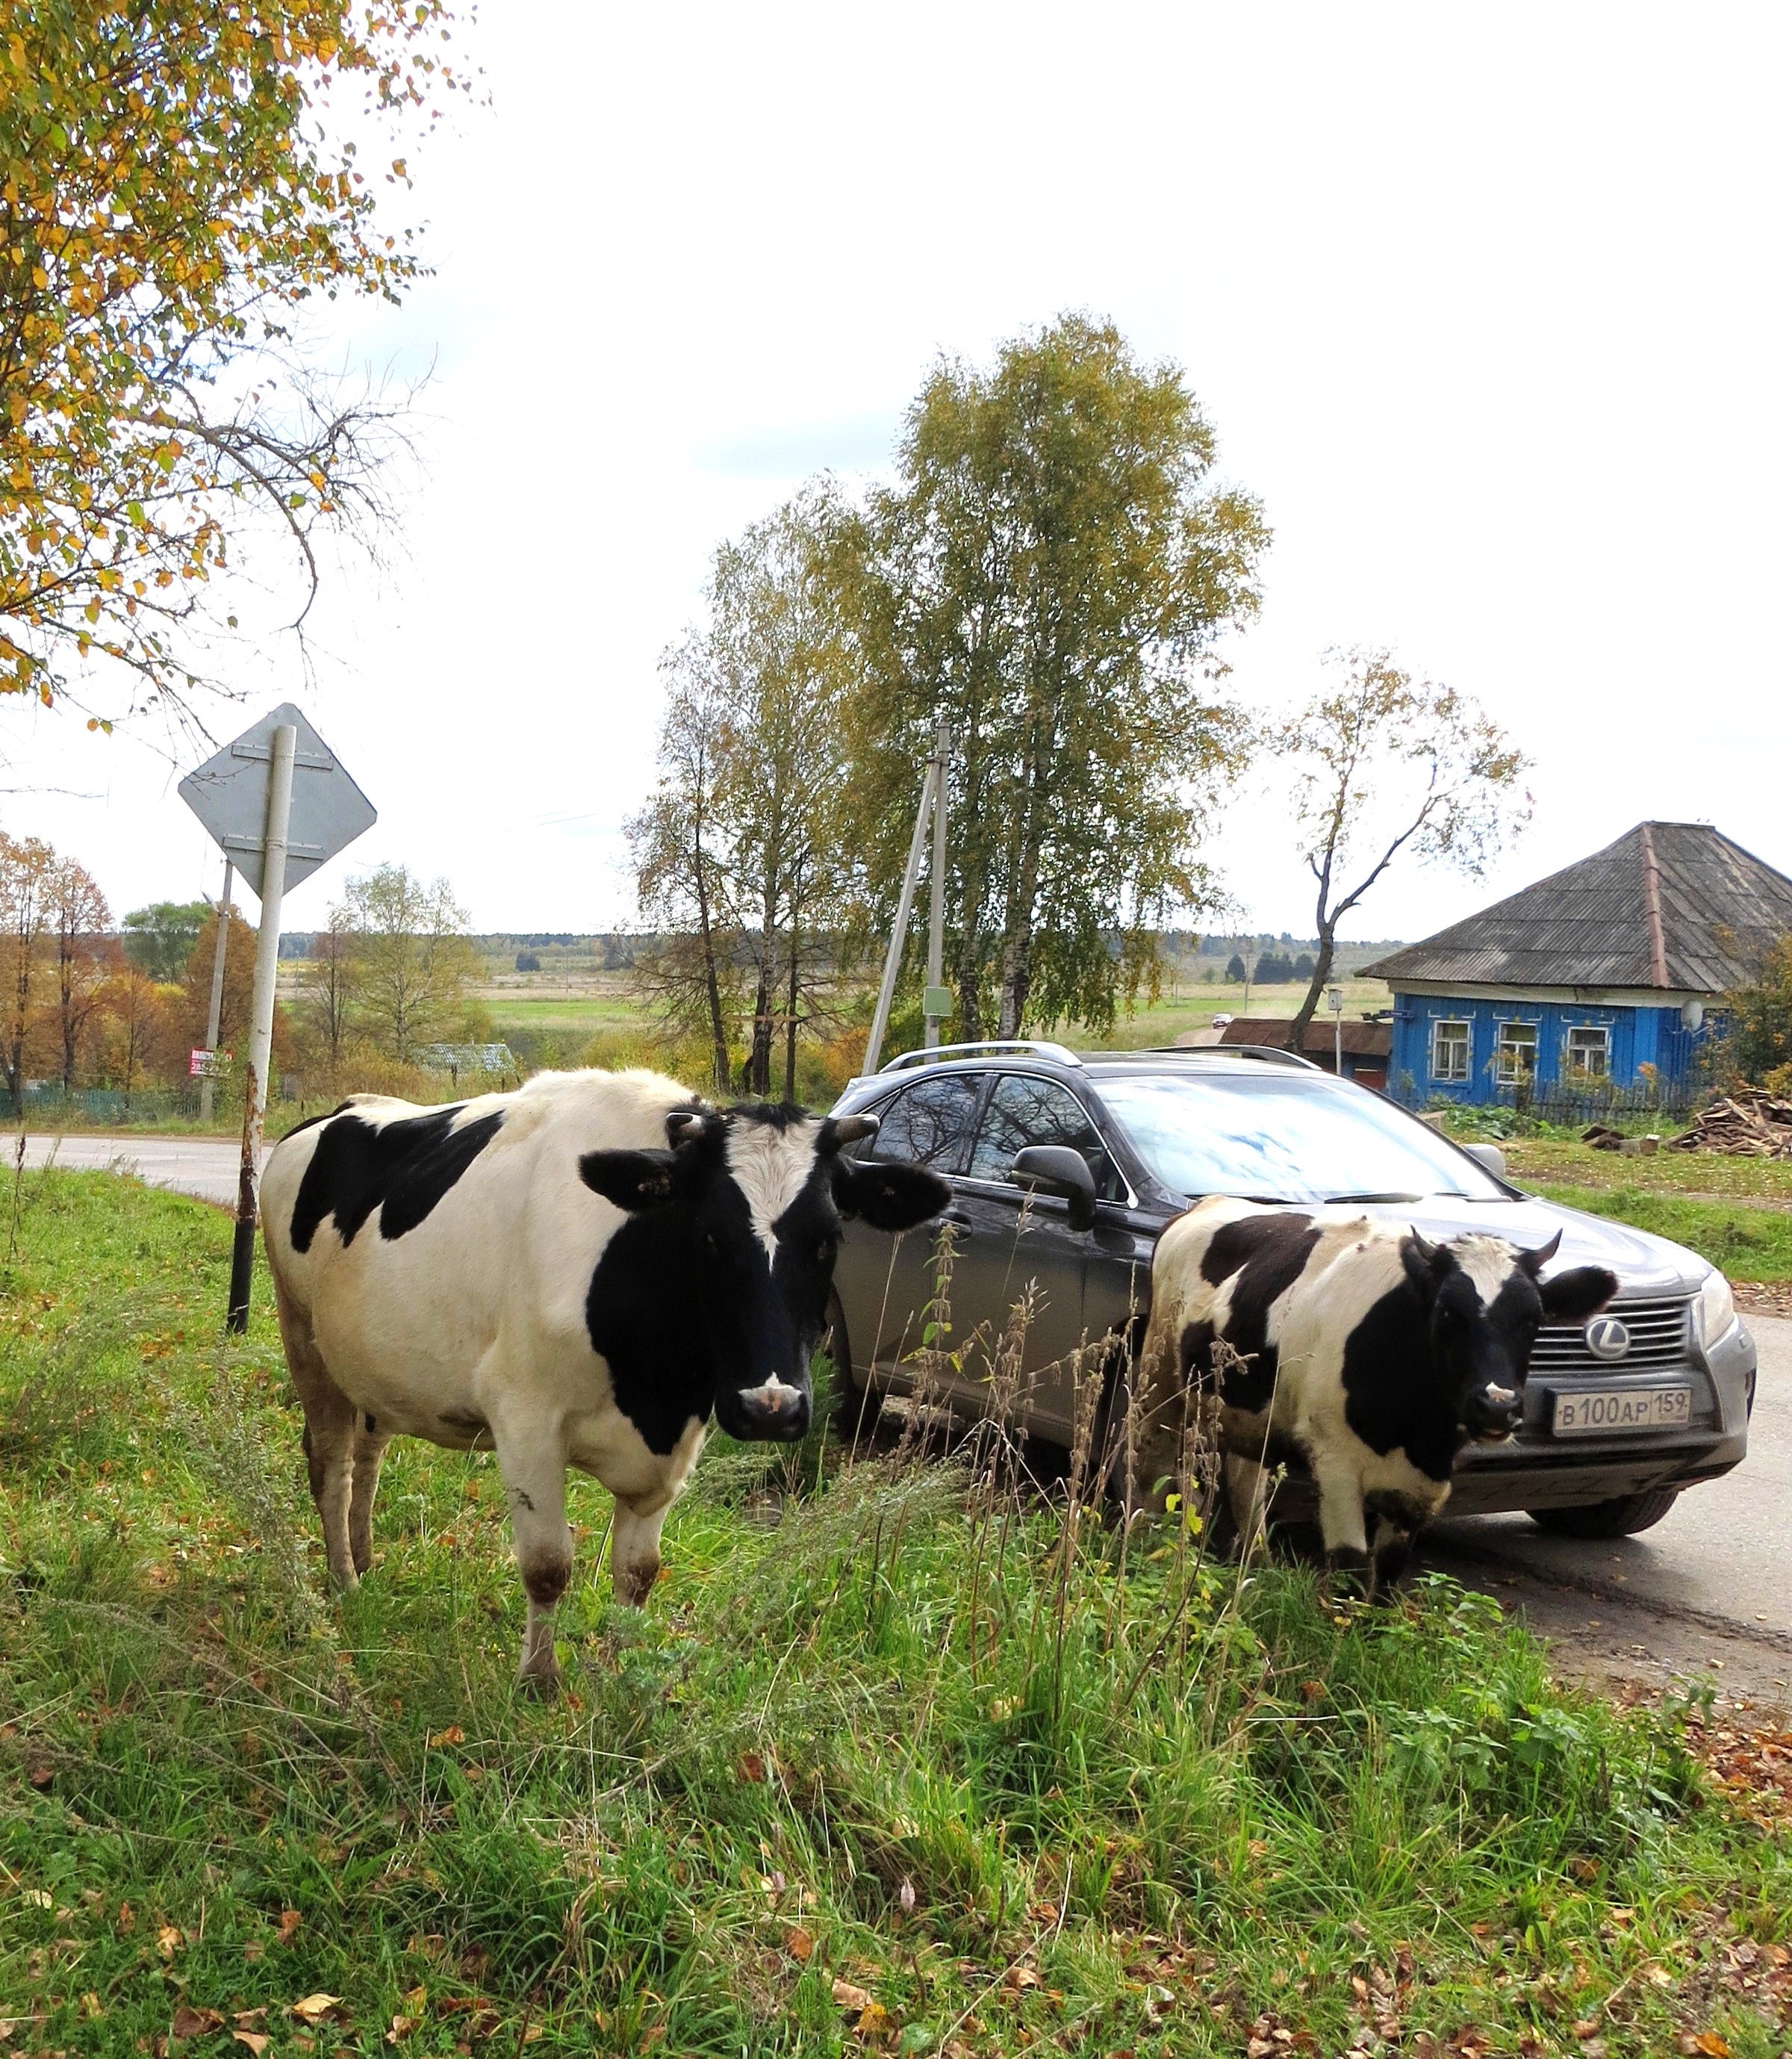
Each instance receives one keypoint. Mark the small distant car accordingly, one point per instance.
(1621, 1414)
(1220, 1022)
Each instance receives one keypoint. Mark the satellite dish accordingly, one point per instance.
(1692, 1017)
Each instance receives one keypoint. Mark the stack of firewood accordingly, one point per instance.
(1750, 1123)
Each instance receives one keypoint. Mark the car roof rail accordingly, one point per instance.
(1035, 1046)
(1271, 1054)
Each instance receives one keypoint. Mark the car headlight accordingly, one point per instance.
(1716, 1306)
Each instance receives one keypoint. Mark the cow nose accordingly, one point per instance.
(776, 1410)
(1502, 1410)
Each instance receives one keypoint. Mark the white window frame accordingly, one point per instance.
(1572, 1065)
(1505, 1072)
(1465, 1037)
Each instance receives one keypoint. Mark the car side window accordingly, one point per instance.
(1025, 1110)
(929, 1123)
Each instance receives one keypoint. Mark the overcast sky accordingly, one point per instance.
(1488, 305)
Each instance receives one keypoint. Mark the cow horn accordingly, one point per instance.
(849, 1129)
(683, 1125)
(1534, 1261)
(1421, 1244)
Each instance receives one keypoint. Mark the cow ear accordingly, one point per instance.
(1572, 1296)
(1427, 1263)
(631, 1180)
(888, 1196)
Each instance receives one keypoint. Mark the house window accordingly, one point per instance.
(1516, 1060)
(1449, 1050)
(1589, 1052)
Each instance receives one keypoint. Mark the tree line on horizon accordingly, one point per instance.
(85, 1003)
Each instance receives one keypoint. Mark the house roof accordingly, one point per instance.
(1363, 1040)
(1675, 905)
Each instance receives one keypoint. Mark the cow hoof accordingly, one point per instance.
(1351, 1575)
(634, 1584)
(540, 1686)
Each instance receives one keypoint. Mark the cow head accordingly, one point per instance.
(750, 1201)
(1486, 1300)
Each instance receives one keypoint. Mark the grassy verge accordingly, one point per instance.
(1752, 1243)
(1704, 1173)
(897, 1760)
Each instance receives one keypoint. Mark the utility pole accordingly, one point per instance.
(1334, 1000)
(937, 1000)
(215, 1014)
(284, 746)
(893, 958)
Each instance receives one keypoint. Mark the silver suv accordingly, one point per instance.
(1103, 1148)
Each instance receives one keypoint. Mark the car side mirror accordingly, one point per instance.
(1489, 1156)
(1055, 1168)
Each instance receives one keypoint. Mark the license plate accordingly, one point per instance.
(1588, 1410)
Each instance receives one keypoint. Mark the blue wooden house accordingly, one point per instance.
(1608, 977)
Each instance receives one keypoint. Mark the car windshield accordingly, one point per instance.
(1281, 1135)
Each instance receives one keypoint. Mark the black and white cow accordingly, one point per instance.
(1350, 1347)
(576, 1274)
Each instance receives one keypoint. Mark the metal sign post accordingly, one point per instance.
(279, 805)
(261, 1018)
(1334, 1000)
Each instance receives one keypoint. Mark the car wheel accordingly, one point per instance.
(853, 1409)
(1624, 1515)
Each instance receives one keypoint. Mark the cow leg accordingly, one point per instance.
(535, 1482)
(1392, 1549)
(370, 1448)
(1341, 1525)
(329, 1438)
(635, 1547)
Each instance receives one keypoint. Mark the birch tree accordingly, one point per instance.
(27, 867)
(1052, 572)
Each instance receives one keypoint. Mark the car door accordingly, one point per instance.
(885, 1283)
(1011, 1242)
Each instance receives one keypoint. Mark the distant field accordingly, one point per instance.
(570, 1011)
(605, 1003)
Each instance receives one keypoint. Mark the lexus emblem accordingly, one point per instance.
(1607, 1338)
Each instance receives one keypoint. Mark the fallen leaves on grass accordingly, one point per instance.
(190, 2022)
(316, 2008)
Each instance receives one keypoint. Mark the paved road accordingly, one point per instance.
(1710, 1586)
(202, 1165)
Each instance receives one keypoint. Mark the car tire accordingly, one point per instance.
(851, 1408)
(1624, 1515)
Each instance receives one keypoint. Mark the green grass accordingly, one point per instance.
(1704, 1173)
(888, 1724)
(1753, 1244)
(590, 1012)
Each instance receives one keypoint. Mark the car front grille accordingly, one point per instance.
(1660, 1335)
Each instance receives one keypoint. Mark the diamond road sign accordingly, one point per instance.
(228, 794)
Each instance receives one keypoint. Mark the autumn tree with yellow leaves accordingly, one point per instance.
(178, 179)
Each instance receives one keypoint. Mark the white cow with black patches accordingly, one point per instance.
(577, 1274)
(1352, 1347)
